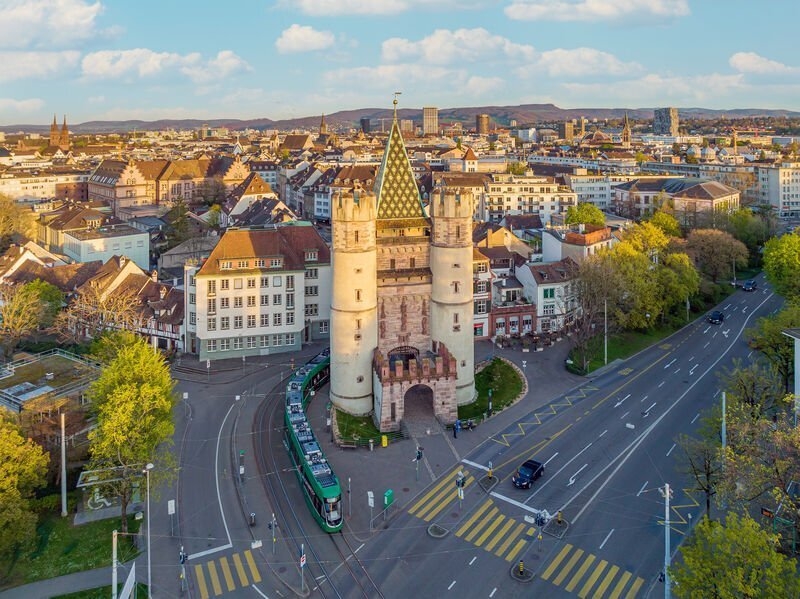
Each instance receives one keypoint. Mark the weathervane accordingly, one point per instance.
(395, 103)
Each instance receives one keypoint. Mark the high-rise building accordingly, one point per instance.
(566, 131)
(665, 121)
(482, 124)
(402, 302)
(365, 126)
(430, 121)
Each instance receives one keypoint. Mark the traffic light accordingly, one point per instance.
(182, 555)
(419, 454)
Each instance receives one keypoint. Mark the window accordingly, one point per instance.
(192, 318)
(355, 236)
(237, 322)
(226, 265)
(481, 287)
(289, 281)
(225, 284)
(358, 324)
(211, 345)
(456, 286)
(251, 301)
(290, 300)
(224, 302)
(191, 280)
(265, 300)
(482, 307)
(264, 341)
(259, 262)
(290, 318)
(549, 293)
(265, 320)
(312, 273)
(276, 262)
(312, 290)
(277, 320)
(311, 255)
(211, 324)
(212, 306)
(323, 326)
(289, 339)
(392, 265)
(237, 302)
(548, 309)
(264, 281)
(312, 309)
(277, 340)
(277, 299)
(251, 321)
(251, 342)
(458, 231)
(224, 344)
(251, 283)
(455, 318)
(237, 283)
(192, 298)
(242, 264)
(412, 263)
(456, 266)
(225, 323)
(358, 295)
(277, 281)
(237, 343)
(212, 287)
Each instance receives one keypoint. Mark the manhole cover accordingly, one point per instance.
(405, 489)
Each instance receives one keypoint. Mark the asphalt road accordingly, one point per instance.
(608, 447)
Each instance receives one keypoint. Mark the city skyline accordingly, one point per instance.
(94, 60)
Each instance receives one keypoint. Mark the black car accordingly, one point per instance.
(716, 317)
(749, 285)
(527, 473)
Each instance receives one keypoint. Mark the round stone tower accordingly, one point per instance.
(451, 294)
(354, 302)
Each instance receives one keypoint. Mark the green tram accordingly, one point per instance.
(320, 485)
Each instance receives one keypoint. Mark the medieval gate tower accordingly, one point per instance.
(402, 305)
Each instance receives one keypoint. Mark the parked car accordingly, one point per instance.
(749, 285)
(716, 317)
(527, 473)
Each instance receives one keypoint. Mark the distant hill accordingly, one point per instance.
(525, 114)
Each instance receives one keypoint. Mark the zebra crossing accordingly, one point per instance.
(592, 578)
(211, 575)
(487, 527)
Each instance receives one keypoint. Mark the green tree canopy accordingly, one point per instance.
(782, 264)
(23, 465)
(15, 221)
(133, 401)
(24, 309)
(716, 252)
(516, 168)
(585, 214)
(737, 559)
(666, 222)
(768, 338)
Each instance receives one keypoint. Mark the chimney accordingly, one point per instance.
(154, 276)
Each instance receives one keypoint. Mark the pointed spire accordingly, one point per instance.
(55, 122)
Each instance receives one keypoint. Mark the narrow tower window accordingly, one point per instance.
(458, 231)
(412, 263)
(358, 295)
(456, 286)
(392, 265)
(355, 236)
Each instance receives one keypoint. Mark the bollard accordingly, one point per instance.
(521, 568)
(252, 518)
(559, 519)
(371, 444)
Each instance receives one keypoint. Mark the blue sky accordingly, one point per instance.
(147, 59)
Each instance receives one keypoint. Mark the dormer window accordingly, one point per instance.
(312, 255)
(226, 265)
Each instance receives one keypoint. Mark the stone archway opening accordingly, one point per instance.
(418, 407)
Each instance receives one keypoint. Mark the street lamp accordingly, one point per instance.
(147, 470)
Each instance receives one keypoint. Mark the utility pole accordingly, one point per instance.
(605, 331)
(63, 467)
(114, 565)
(667, 493)
(724, 428)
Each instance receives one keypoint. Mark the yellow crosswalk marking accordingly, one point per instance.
(237, 562)
(492, 513)
(579, 574)
(620, 585)
(489, 530)
(447, 496)
(531, 531)
(252, 564)
(201, 581)
(212, 574)
(606, 581)
(510, 539)
(515, 551)
(584, 592)
(432, 492)
(469, 523)
(554, 564)
(226, 573)
(568, 567)
(500, 534)
(637, 584)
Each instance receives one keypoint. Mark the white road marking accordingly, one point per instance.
(603, 433)
(552, 457)
(359, 548)
(515, 502)
(691, 358)
(259, 591)
(606, 539)
(670, 363)
(706, 345)
(696, 416)
(472, 561)
(642, 489)
(452, 584)
(749, 354)
(647, 411)
(677, 371)
(670, 449)
(645, 397)
(494, 590)
(208, 551)
(661, 384)
(574, 476)
(549, 478)
(621, 401)
(625, 414)
(476, 465)
(692, 369)
(707, 330)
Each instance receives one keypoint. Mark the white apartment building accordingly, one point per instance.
(105, 242)
(481, 294)
(779, 186)
(552, 288)
(29, 186)
(260, 292)
(512, 194)
(595, 189)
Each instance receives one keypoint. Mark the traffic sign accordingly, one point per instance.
(370, 499)
(303, 561)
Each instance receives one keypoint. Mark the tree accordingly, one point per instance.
(782, 266)
(734, 559)
(704, 460)
(751, 229)
(23, 466)
(133, 400)
(585, 214)
(214, 216)
(640, 297)
(25, 308)
(667, 223)
(768, 338)
(93, 311)
(516, 168)
(678, 280)
(213, 191)
(648, 239)
(179, 229)
(716, 252)
(15, 221)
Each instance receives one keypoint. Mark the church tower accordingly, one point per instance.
(64, 137)
(401, 314)
(626, 132)
(55, 135)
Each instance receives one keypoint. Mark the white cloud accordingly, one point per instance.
(143, 62)
(656, 89)
(462, 45)
(750, 62)
(595, 10)
(35, 65)
(580, 62)
(328, 8)
(303, 38)
(47, 23)
(479, 86)
(28, 105)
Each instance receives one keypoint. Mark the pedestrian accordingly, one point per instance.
(456, 428)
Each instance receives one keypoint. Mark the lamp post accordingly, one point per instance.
(147, 470)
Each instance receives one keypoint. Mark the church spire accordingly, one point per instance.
(395, 185)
